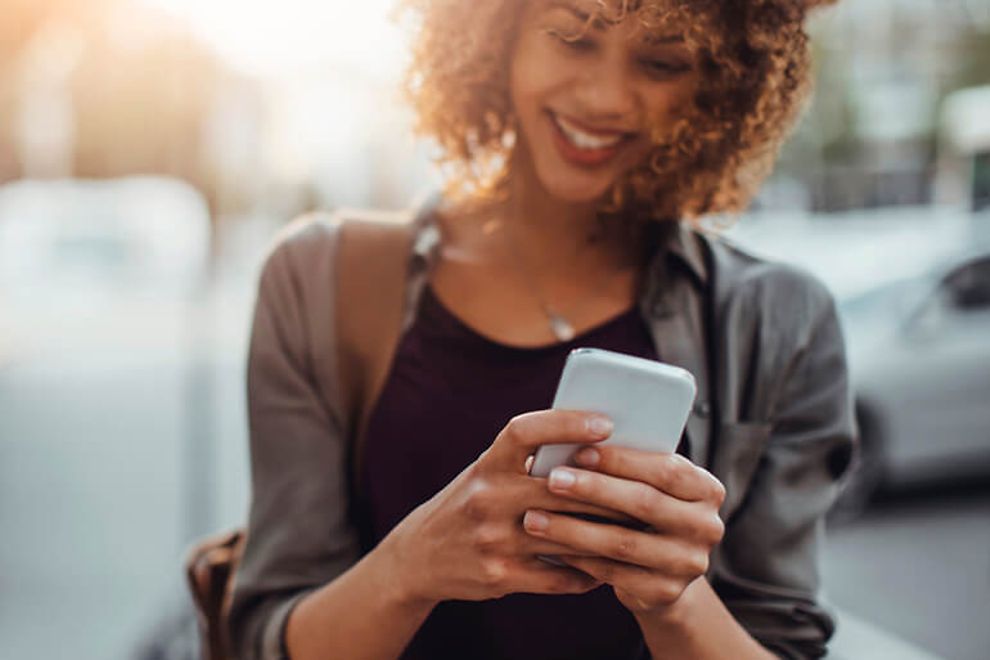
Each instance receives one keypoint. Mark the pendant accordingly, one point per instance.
(563, 330)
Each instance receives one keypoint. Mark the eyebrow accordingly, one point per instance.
(598, 24)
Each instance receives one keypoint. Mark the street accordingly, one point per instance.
(918, 565)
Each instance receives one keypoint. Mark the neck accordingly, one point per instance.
(564, 236)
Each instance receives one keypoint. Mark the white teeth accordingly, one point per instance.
(583, 140)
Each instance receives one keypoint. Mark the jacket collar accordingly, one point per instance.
(677, 241)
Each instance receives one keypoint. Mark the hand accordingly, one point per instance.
(648, 570)
(468, 542)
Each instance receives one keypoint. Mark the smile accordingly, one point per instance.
(587, 147)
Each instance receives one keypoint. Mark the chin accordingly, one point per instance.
(575, 188)
(575, 196)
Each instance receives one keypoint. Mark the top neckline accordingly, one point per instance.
(432, 302)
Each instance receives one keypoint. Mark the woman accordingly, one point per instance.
(583, 135)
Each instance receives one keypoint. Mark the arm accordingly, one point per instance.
(766, 570)
(301, 549)
(698, 626)
(343, 619)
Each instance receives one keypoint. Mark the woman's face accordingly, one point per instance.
(585, 106)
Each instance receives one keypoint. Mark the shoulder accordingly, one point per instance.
(307, 245)
(776, 321)
(771, 282)
(784, 294)
(306, 239)
(748, 273)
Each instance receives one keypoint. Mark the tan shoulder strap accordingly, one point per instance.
(372, 255)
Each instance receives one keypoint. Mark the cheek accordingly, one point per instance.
(687, 91)
(673, 99)
(525, 86)
(535, 74)
(665, 107)
(527, 92)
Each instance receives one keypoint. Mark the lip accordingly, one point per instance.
(586, 157)
(592, 130)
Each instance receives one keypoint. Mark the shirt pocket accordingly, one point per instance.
(740, 446)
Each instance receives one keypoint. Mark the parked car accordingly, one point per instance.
(919, 354)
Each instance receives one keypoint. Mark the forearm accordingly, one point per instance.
(698, 627)
(363, 614)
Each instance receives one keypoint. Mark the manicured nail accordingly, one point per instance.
(600, 425)
(535, 521)
(561, 478)
(588, 457)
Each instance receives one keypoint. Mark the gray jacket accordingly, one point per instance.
(773, 421)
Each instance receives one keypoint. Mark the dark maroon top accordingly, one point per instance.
(448, 394)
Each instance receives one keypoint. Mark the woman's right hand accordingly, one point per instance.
(468, 543)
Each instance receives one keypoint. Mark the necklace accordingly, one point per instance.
(562, 329)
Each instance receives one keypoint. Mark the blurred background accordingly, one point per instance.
(150, 148)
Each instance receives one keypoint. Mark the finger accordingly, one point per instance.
(540, 577)
(529, 546)
(672, 473)
(645, 585)
(608, 571)
(534, 493)
(696, 521)
(653, 551)
(526, 432)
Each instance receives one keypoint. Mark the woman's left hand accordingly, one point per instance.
(649, 570)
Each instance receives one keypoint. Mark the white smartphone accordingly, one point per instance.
(648, 401)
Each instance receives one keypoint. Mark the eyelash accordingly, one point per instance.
(664, 67)
(653, 67)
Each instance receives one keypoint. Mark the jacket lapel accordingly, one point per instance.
(674, 310)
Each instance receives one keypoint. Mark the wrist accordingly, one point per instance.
(400, 585)
(676, 615)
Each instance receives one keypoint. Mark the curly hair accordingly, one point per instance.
(754, 60)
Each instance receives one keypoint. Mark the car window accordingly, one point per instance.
(885, 302)
(968, 287)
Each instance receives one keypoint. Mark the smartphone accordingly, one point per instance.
(648, 401)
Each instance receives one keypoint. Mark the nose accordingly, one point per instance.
(605, 92)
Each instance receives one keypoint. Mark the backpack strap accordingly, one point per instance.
(370, 285)
(368, 289)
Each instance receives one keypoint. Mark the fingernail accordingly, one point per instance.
(600, 425)
(561, 478)
(588, 457)
(535, 521)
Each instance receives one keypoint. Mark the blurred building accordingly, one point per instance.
(884, 68)
(114, 88)
(117, 87)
